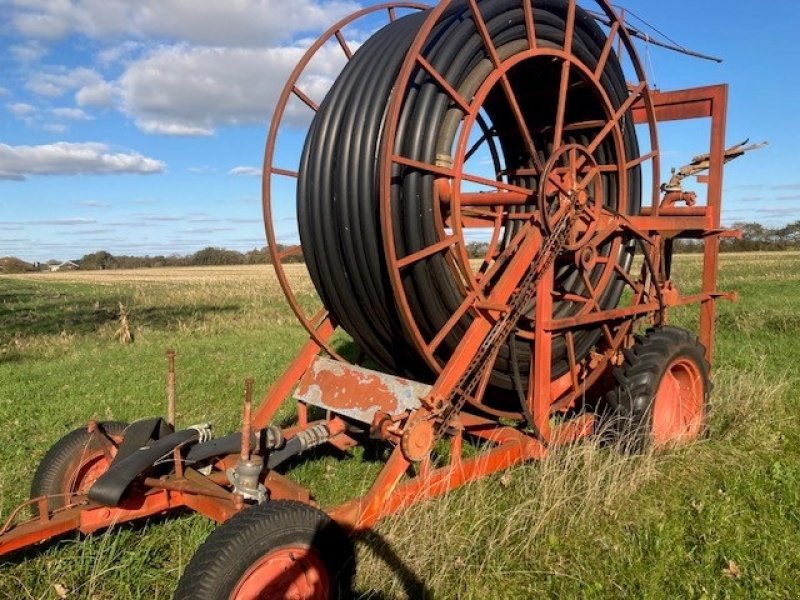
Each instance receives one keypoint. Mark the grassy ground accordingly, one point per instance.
(719, 519)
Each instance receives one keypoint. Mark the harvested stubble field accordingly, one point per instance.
(718, 519)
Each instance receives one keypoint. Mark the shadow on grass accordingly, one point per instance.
(28, 310)
(413, 586)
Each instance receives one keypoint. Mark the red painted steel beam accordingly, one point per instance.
(355, 516)
(679, 105)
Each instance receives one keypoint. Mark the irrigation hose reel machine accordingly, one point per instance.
(527, 126)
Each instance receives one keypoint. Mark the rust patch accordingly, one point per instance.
(357, 392)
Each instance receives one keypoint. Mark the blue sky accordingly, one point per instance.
(138, 126)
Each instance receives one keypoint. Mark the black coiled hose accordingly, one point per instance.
(338, 197)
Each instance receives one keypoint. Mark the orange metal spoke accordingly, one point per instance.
(569, 28)
(494, 199)
(521, 216)
(563, 89)
(448, 172)
(581, 125)
(392, 14)
(569, 297)
(483, 30)
(642, 159)
(489, 215)
(530, 26)
(523, 127)
(291, 251)
(284, 172)
(343, 43)
(583, 183)
(562, 104)
(452, 321)
(306, 100)
(509, 250)
(428, 251)
(444, 84)
(558, 183)
(573, 168)
(625, 275)
(634, 95)
(592, 298)
(573, 363)
(601, 63)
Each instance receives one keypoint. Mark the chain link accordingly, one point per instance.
(522, 298)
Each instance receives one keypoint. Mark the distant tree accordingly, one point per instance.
(97, 261)
(755, 237)
(477, 249)
(217, 256)
(257, 256)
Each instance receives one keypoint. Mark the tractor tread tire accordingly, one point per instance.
(629, 403)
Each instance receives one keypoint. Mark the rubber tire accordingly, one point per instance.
(220, 562)
(629, 415)
(55, 467)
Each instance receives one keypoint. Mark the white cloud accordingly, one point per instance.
(226, 69)
(21, 109)
(250, 171)
(57, 82)
(95, 204)
(184, 90)
(149, 125)
(117, 53)
(29, 52)
(100, 93)
(54, 127)
(66, 158)
(208, 22)
(72, 114)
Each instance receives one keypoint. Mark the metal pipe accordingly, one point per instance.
(640, 35)
(246, 418)
(171, 387)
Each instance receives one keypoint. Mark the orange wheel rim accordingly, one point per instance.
(88, 471)
(290, 573)
(678, 405)
(88, 468)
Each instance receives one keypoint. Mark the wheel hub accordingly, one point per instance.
(678, 404)
(570, 187)
(291, 573)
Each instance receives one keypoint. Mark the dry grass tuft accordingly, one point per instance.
(123, 332)
(520, 513)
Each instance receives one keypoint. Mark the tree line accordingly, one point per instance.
(755, 237)
(210, 256)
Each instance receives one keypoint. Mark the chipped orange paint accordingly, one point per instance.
(357, 392)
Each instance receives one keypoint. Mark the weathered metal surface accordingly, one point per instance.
(357, 392)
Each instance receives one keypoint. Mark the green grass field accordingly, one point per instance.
(719, 519)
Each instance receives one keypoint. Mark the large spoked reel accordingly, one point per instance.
(273, 169)
(516, 144)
